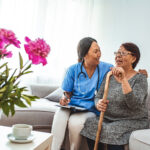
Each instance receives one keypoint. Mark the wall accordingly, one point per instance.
(62, 23)
(124, 21)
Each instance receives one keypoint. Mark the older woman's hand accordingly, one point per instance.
(118, 73)
(102, 105)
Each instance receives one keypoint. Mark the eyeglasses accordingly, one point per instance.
(122, 53)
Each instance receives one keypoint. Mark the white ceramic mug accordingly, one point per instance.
(21, 131)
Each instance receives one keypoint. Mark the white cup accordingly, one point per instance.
(21, 131)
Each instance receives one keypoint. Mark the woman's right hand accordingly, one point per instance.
(65, 98)
(63, 101)
(102, 105)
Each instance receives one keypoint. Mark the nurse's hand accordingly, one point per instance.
(102, 105)
(143, 71)
(65, 98)
(63, 101)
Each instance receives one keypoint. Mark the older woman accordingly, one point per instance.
(125, 109)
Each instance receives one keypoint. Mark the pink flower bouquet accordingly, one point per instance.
(11, 93)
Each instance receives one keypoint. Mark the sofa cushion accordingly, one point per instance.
(42, 90)
(55, 96)
(41, 104)
(139, 140)
(40, 115)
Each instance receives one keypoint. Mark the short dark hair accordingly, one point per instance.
(83, 47)
(134, 49)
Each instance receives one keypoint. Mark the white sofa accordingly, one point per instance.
(41, 113)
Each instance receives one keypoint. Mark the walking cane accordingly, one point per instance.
(102, 113)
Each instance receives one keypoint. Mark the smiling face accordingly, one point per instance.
(124, 58)
(93, 55)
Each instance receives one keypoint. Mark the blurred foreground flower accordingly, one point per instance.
(11, 93)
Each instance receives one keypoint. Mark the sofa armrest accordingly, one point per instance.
(42, 90)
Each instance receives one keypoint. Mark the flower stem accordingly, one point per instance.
(6, 46)
(21, 71)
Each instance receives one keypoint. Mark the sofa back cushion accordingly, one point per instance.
(55, 95)
(42, 90)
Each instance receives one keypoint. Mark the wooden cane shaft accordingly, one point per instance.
(98, 131)
(102, 113)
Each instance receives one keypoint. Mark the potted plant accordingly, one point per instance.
(11, 93)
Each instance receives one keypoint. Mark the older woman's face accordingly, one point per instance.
(124, 58)
(93, 54)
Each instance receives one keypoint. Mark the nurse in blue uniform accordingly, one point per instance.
(81, 82)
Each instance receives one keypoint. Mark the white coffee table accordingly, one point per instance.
(42, 141)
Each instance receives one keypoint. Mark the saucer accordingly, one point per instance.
(12, 139)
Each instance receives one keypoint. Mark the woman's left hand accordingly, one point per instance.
(118, 73)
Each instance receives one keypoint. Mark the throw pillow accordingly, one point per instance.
(55, 96)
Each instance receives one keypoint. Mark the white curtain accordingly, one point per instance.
(62, 23)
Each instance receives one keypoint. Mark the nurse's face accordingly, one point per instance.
(93, 55)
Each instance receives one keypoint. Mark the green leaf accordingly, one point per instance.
(12, 78)
(3, 89)
(12, 109)
(29, 66)
(9, 88)
(1, 95)
(32, 97)
(19, 103)
(3, 65)
(27, 72)
(5, 108)
(27, 99)
(7, 71)
(21, 61)
(17, 83)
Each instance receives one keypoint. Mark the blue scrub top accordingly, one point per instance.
(83, 88)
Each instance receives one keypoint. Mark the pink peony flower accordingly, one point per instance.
(8, 37)
(37, 50)
(1, 42)
(5, 53)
